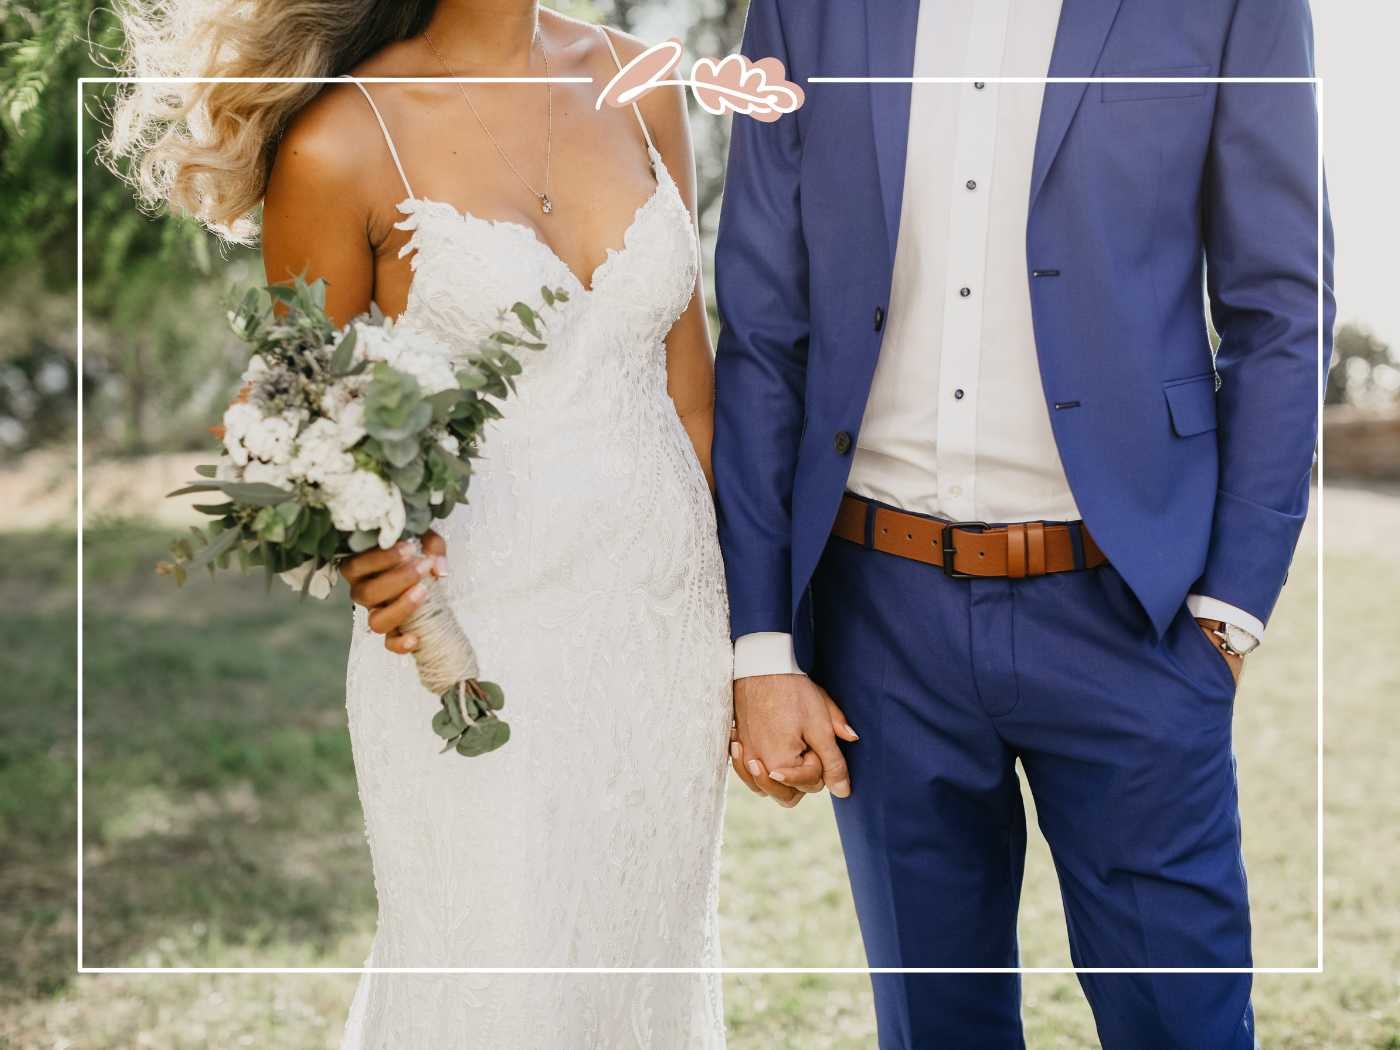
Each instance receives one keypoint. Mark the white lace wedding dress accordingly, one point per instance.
(587, 574)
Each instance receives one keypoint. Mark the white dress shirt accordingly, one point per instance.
(956, 424)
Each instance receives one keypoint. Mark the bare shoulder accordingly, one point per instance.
(662, 108)
(325, 145)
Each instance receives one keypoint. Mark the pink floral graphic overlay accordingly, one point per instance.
(732, 84)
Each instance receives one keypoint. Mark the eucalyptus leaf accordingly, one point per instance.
(255, 493)
(528, 318)
(344, 355)
(495, 695)
(402, 452)
(223, 542)
(361, 541)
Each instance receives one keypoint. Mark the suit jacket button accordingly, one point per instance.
(879, 318)
(842, 442)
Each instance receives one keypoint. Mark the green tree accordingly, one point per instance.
(152, 284)
(1364, 370)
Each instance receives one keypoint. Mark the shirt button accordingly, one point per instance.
(879, 318)
(972, 184)
(955, 491)
(964, 291)
(958, 394)
(842, 442)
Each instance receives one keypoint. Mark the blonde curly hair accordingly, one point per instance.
(206, 149)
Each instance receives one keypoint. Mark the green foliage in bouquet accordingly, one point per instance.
(283, 527)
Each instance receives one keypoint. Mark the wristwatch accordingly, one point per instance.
(1234, 640)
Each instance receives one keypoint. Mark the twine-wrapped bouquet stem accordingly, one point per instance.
(447, 667)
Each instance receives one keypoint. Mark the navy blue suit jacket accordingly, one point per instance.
(1139, 193)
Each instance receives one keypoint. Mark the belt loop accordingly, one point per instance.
(1015, 551)
(870, 509)
(1035, 548)
(1076, 543)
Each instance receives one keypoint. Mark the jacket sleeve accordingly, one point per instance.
(1261, 228)
(760, 365)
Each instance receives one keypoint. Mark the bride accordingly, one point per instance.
(585, 569)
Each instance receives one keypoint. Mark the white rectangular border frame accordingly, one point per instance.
(1317, 83)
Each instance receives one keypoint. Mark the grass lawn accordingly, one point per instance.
(222, 826)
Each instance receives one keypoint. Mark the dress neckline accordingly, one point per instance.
(659, 172)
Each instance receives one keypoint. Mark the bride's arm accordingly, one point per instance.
(319, 222)
(315, 214)
(690, 371)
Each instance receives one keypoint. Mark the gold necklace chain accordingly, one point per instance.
(546, 204)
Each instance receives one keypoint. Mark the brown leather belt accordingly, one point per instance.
(969, 548)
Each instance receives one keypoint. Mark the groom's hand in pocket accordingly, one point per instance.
(786, 727)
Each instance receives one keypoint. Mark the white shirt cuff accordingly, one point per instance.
(767, 652)
(1203, 608)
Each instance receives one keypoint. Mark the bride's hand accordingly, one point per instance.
(389, 583)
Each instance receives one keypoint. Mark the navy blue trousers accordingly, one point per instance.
(1125, 742)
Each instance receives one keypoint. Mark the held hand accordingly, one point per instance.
(1236, 662)
(786, 728)
(389, 584)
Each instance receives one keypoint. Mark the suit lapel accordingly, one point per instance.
(890, 29)
(1084, 26)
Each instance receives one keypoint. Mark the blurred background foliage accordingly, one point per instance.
(153, 285)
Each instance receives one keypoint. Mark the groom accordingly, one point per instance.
(980, 478)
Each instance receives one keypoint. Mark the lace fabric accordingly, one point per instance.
(587, 573)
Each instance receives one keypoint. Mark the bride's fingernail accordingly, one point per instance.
(735, 751)
(755, 767)
(418, 593)
(852, 732)
(425, 566)
(775, 775)
(441, 562)
(410, 642)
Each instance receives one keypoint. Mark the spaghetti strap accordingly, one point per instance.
(646, 133)
(388, 139)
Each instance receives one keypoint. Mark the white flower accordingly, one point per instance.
(267, 473)
(321, 582)
(335, 398)
(270, 438)
(350, 424)
(320, 453)
(411, 352)
(433, 371)
(227, 470)
(362, 501)
(257, 367)
(369, 342)
(448, 442)
(239, 419)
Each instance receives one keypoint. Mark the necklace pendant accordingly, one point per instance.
(546, 205)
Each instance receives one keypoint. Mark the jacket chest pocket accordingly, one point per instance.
(1147, 92)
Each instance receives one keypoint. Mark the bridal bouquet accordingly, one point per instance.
(343, 440)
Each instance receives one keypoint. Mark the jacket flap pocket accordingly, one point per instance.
(1192, 404)
(1142, 92)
